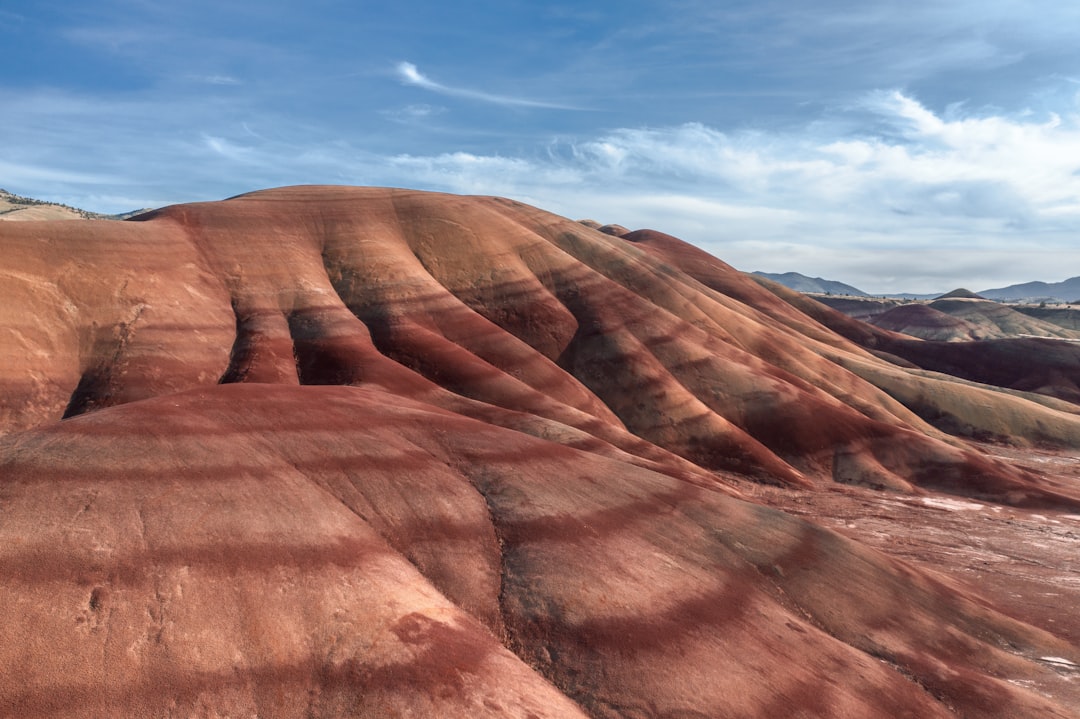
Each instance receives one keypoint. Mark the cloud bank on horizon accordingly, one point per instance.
(915, 149)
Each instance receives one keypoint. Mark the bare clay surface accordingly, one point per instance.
(1025, 563)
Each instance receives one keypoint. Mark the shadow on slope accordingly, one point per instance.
(317, 550)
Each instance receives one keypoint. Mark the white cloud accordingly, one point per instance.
(911, 200)
(229, 150)
(466, 173)
(409, 74)
(927, 197)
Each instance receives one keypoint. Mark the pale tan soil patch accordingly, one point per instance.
(1023, 563)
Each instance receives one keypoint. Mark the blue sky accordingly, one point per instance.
(914, 146)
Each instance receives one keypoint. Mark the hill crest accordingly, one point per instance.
(27, 209)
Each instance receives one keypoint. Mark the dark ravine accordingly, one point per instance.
(362, 452)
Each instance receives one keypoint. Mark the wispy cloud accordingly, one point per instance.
(229, 150)
(921, 198)
(413, 114)
(409, 74)
(896, 196)
(216, 79)
(18, 174)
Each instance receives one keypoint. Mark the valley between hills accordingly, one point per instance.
(329, 451)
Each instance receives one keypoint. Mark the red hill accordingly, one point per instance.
(924, 321)
(342, 451)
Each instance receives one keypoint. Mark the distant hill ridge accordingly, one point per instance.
(16, 207)
(1064, 291)
(1027, 292)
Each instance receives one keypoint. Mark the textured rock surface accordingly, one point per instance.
(358, 452)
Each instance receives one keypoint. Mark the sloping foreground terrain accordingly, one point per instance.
(332, 452)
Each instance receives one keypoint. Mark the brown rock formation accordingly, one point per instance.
(516, 492)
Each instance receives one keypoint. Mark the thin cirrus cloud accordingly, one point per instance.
(411, 114)
(230, 150)
(227, 80)
(409, 74)
(20, 173)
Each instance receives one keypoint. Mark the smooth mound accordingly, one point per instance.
(961, 293)
(957, 316)
(926, 322)
(342, 451)
(996, 320)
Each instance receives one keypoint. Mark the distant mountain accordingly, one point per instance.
(802, 283)
(1027, 292)
(1065, 291)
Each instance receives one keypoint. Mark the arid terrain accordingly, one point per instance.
(15, 208)
(331, 451)
(961, 316)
